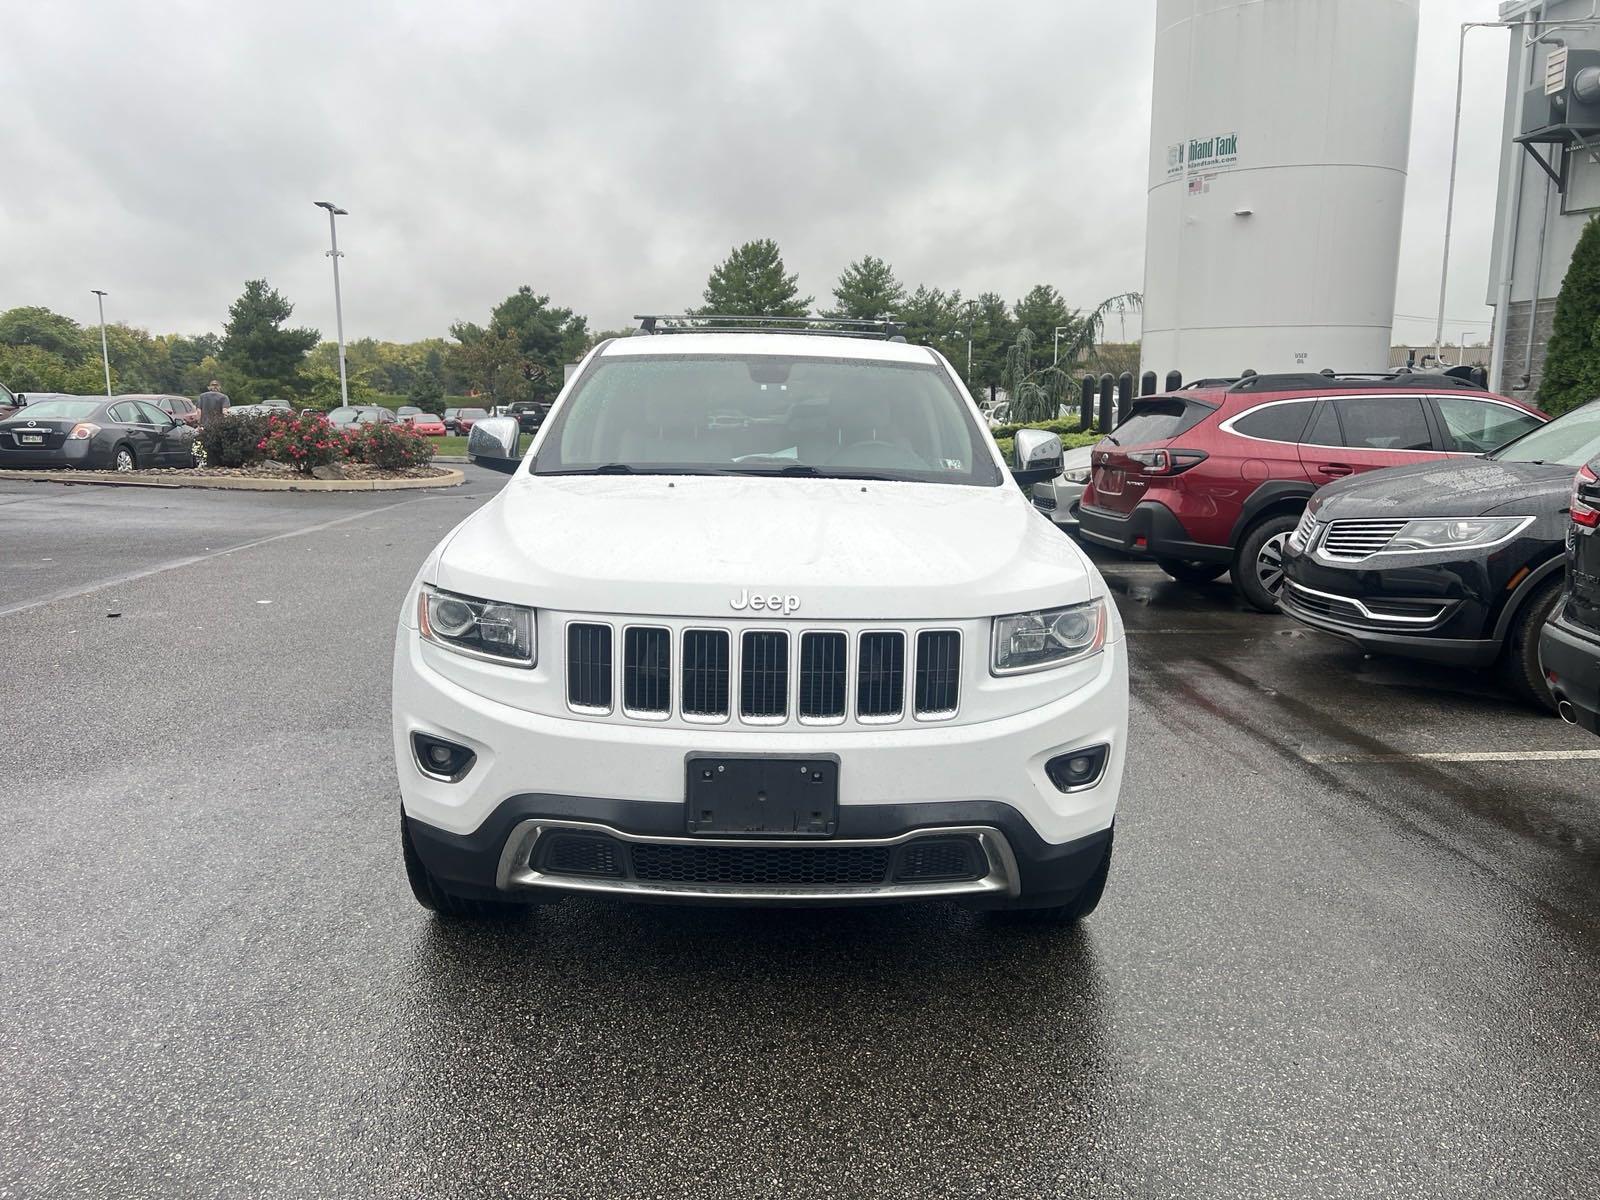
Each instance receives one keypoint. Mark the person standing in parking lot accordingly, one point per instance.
(213, 403)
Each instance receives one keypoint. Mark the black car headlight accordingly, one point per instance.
(1455, 533)
(1049, 637)
(478, 628)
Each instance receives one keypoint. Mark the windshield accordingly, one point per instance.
(1569, 441)
(61, 410)
(344, 416)
(767, 414)
(472, 414)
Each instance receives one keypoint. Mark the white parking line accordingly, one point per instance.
(1462, 756)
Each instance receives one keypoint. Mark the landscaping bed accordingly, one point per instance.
(277, 470)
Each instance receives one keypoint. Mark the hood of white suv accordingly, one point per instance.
(742, 547)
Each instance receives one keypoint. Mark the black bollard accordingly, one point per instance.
(1106, 420)
(1086, 403)
(1147, 384)
(1124, 395)
(1174, 380)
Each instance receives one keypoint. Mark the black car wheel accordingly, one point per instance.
(1258, 562)
(435, 899)
(1519, 663)
(122, 458)
(1188, 570)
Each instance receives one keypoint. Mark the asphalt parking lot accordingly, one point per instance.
(1325, 966)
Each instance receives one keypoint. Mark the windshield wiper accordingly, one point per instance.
(612, 469)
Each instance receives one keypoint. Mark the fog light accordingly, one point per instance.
(440, 759)
(1077, 769)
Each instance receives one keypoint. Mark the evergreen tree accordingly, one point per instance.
(1572, 359)
(992, 331)
(751, 282)
(261, 358)
(1042, 311)
(935, 317)
(867, 291)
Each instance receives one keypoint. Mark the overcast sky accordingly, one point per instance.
(610, 153)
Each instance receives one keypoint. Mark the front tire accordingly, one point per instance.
(1519, 662)
(123, 459)
(433, 897)
(1258, 563)
(1188, 570)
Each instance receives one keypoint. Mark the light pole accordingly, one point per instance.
(1060, 329)
(105, 355)
(338, 307)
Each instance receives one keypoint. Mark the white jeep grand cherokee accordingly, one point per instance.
(761, 619)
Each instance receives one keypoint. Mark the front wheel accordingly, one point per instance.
(1258, 562)
(123, 459)
(1189, 570)
(1519, 663)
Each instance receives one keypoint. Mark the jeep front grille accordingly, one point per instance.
(822, 676)
(765, 677)
(881, 686)
(647, 671)
(938, 671)
(705, 674)
(589, 667)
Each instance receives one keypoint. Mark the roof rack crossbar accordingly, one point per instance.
(1310, 380)
(655, 323)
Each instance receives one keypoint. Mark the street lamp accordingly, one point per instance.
(1060, 329)
(105, 355)
(338, 307)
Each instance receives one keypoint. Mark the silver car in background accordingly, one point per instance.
(1058, 498)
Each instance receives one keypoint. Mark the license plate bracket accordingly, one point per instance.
(762, 795)
(31, 439)
(1110, 481)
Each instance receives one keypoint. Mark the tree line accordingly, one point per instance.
(520, 351)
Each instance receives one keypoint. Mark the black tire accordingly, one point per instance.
(1519, 661)
(1258, 562)
(1188, 570)
(124, 452)
(445, 904)
(1076, 909)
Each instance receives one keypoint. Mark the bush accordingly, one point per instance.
(390, 446)
(304, 441)
(234, 441)
(1571, 374)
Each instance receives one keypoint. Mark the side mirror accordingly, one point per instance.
(1035, 457)
(494, 443)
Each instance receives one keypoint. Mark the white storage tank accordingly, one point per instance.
(1278, 139)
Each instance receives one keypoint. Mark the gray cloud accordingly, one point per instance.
(609, 153)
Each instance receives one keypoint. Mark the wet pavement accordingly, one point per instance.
(1322, 968)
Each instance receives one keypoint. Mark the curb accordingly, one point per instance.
(237, 483)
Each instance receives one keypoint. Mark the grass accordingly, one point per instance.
(448, 445)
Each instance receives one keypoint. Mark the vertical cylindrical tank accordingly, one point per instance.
(1279, 133)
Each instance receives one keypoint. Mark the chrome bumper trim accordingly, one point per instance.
(515, 871)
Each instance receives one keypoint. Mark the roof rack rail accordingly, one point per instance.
(1288, 381)
(654, 323)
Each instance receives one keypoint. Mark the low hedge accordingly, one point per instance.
(1070, 437)
(234, 441)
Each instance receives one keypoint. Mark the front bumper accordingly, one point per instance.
(1571, 657)
(1151, 529)
(982, 776)
(1058, 499)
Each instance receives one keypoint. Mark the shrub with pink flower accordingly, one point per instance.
(303, 440)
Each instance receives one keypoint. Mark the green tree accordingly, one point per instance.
(521, 353)
(1571, 374)
(50, 332)
(934, 317)
(1042, 311)
(867, 291)
(488, 363)
(1038, 390)
(259, 356)
(426, 392)
(751, 282)
(992, 331)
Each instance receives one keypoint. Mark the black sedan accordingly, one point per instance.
(1457, 561)
(120, 434)
(1569, 648)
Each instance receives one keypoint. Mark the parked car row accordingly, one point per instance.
(1455, 553)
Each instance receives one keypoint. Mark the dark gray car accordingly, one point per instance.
(121, 434)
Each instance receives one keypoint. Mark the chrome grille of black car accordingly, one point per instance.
(589, 667)
(881, 679)
(705, 673)
(1351, 541)
(647, 670)
(938, 671)
(764, 675)
(823, 692)
(707, 683)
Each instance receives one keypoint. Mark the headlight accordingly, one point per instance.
(479, 628)
(1048, 638)
(1455, 533)
(1077, 475)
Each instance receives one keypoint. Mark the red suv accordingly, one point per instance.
(1213, 477)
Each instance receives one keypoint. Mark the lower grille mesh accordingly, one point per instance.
(758, 866)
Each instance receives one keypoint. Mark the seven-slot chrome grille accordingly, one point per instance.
(1351, 541)
(763, 676)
